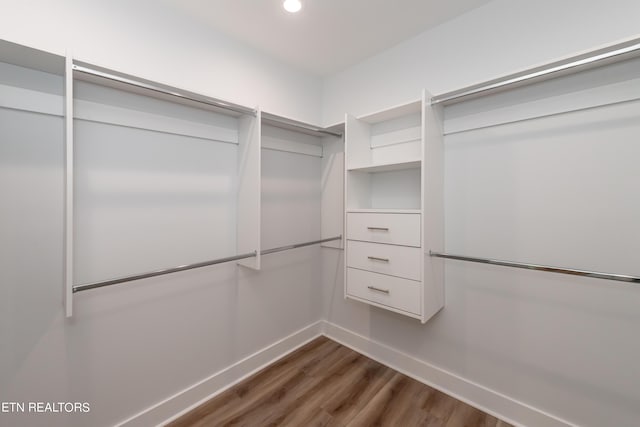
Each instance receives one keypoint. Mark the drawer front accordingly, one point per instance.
(396, 229)
(401, 261)
(395, 292)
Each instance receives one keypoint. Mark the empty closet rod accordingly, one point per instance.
(80, 288)
(582, 62)
(571, 271)
(298, 245)
(191, 96)
(542, 116)
(274, 120)
(167, 90)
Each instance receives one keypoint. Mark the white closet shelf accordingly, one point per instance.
(393, 188)
(35, 59)
(393, 112)
(409, 164)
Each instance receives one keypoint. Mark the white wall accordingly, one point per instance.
(499, 38)
(566, 346)
(131, 346)
(150, 40)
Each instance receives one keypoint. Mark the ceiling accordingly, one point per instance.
(327, 35)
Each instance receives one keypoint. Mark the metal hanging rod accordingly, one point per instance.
(614, 53)
(571, 271)
(298, 245)
(542, 116)
(191, 96)
(160, 88)
(80, 288)
(285, 123)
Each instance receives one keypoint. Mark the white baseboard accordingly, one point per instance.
(483, 398)
(193, 396)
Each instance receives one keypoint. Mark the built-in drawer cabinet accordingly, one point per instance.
(394, 292)
(390, 228)
(400, 261)
(394, 192)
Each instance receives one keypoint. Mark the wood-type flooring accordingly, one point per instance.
(327, 384)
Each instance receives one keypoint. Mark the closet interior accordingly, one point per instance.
(157, 177)
(135, 179)
(393, 193)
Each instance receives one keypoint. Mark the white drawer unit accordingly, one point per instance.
(394, 198)
(394, 292)
(400, 261)
(391, 228)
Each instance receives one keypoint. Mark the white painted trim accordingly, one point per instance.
(392, 112)
(17, 98)
(249, 187)
(185, 400)
(68, 241)
(401, 136)
(109, 114)
(291, 147)
(586, 99)
(483, 398)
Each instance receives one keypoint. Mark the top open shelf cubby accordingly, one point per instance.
(385, 141)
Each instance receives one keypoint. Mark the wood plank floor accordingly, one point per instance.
(326, 384)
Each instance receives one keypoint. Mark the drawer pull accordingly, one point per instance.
(375, 258)
(384, 291)
(378, 228)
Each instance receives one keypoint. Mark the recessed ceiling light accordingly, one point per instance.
(292, 6)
